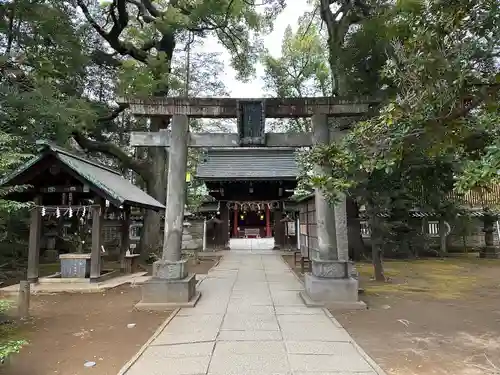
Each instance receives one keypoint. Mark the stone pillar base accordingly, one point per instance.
(169, 288)
(490, 252)
(332, 293)
(165, 269)
(332, 269)
(162, 294)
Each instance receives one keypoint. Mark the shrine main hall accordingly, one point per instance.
(250, 189)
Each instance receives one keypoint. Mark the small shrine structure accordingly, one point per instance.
(66, 185)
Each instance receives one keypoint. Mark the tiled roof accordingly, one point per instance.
(248, 163)
(105, 181)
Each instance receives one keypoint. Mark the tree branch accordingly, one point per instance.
(119, 24)
(142, 11)
(127, 161)
(102, 58)
(468, 104)
(151, 8)
(114, 114)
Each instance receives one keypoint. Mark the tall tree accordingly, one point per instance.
(305, 68)
(42, 70)
(302, 69)
(443, 68)
(146, 34)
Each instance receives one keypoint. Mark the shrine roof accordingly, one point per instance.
(101, 179)
(249, 163)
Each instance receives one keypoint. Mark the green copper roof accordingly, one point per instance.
(103, 180)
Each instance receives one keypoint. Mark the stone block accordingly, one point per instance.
(329, 292)
(168, 270)
(165, 294)
(490, 252)
(75, 265)
(332, 269)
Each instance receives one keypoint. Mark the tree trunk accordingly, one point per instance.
(376, 240)
(153, 169)
(442, 238)
(156, 186)
(356, 243)
(378, 267)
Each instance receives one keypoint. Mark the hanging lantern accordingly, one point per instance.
(43, 211)
(58, 212)
(70, 212)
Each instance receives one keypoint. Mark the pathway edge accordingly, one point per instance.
(143, 348)
(360, 350)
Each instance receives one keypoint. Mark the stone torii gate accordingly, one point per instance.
(330, 280)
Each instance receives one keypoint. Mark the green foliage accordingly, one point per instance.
(442, 64)
(5, 305)
(363, 54)
(7, 346)
(437, 132)
(43, 68)
(10, 347)
(302, 69)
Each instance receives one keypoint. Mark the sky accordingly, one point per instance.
(254, 88)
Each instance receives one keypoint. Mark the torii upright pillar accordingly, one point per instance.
(171, 286)
(330, 282)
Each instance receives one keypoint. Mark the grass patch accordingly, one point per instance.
(47, 269)
(441, 279)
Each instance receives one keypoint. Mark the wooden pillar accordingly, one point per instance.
(205, 234)
(224, 226)
(279, 229)
(95, 255)
(34, 241)
(23, 299)
(125, 236)
(297, 231)
(268, 222)
(235, 222)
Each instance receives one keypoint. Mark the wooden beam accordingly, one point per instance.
(58, 189)
(162, 139)
(95, 254)
(227, 107)
(34, 241)
(125, 236)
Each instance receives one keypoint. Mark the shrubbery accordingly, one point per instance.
(8, 345)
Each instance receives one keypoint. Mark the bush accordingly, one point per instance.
(7, 345)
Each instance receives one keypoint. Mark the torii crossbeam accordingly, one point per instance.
(246, 111)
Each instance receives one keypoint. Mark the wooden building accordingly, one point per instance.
(68, 188)
(250, 187)
(476, 229)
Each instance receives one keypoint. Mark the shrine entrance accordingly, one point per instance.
(250, 166)
(252, 244)
(250, 185)
(249, 224)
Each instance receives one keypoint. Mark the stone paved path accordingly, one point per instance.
(251, 321)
